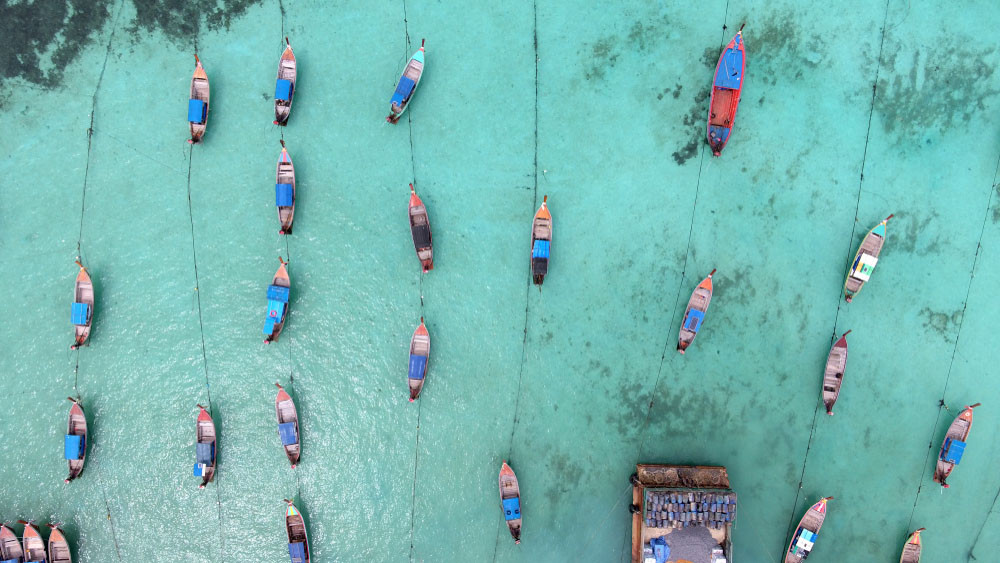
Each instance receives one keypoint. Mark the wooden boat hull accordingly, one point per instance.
(205, 434)
(199, 91)
(509, 489)
(83, 292)
(541, 242)
(10, 546)
(77, 426)
(694, 314)
(285, 174)
(958, 430)
(865, 260)
(295, 529)
(811, 521)
(912, 548)
(58, 547)
(401, 100)
(287, 70)
(420, 355)
(280, 279)
(420, 231)
(31, 542)
(285, 411)
(833, 373)
(727, 86)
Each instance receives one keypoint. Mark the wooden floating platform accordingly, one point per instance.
(685, 504)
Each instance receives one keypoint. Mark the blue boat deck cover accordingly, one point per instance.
(74, 446)
(79, 313)
(283, 90)
(403, 90)
(288, 434)
(275, 314)
(10, 561)
(283, 195)
(277, 293)
(511, 508)
(204, 453)
(540, 249)
(718, 133)
(196, 111)
(297, 551)
(693, 320)
(418, 364)
(730, 73)
(953, 450)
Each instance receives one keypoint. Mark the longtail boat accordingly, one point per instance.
(204, 449)
(911, 550)
(541, 242)
(75, 447)
(807, 532)
(420, 230)
(31, 542)
(407, 85)
(82, 311)
(510, 501)
(833, 374)
(58, 546)
(198, 104)
(864, 260)
(420, 353)
(284, 191)
(694, 315)
(10, 546)
(726, 88)
(284, 89)
(298, 540)
(288, 424)
(954, 445)
(277, 303)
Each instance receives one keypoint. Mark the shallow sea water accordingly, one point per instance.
(600, 107)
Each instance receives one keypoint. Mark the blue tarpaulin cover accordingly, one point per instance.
(288, 435)
(417, 366)
(196, 111)
(197, 470)
(275, 313)
(10, 561)
(277, 293)
(660, 549)
(403, 90)
(39, 561)
(511, 508)
(693, 321)
(78, 313)
(730, 73)
(541, 249)
(297, 551)
(204, 453)
(953, 450)
(73, 447)
(283, 90)
(283, 195)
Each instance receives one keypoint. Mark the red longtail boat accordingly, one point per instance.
(726, 89)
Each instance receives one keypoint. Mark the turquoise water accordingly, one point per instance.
(600, 107)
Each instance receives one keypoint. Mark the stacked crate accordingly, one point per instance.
(683, 508)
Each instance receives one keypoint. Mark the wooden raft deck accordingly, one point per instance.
(674, 477)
